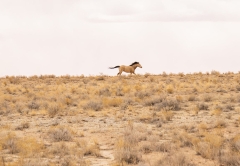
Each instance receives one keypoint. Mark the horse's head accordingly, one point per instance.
(136, 64)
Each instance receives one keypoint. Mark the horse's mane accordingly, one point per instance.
(134, 63)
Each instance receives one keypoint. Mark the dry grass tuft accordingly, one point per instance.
(29, 146)
(220, 124)
(191, 98)
(60, 149)
(54, 109)
(10, 142)
(235, 143)
(170, 89)
(94, 105)
(229, 159)
(210, 146)
(93, 149)
(202, 106)
(22, 126)
(112, 102)
(168, 104)
(60, 134)
(177, 159)
(126, 147)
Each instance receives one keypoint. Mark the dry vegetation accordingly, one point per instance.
(144, 120)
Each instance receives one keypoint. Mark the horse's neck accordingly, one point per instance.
(134, 67)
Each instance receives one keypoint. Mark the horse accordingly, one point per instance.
(128, 69)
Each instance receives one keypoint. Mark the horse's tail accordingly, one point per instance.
(114, 67)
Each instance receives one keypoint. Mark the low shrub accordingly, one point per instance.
(177, 159)
(60, 134)
(94, 105)
(202, 106)
(168, 104)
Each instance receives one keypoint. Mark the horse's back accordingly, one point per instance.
(123, 67)
(127, 69)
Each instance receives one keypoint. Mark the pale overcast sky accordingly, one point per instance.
(87, 36)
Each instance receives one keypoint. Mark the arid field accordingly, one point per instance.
(145, 120)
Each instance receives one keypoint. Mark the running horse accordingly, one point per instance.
(128, 69)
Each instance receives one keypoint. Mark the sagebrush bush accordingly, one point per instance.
(23, 125)
(163, 147)
(60, 134)
(29, 146)
(176, 159)
(207, 98)
(191, 98)
(112, 102)
(33, 105)
(210, 146)
(184, 139)
(142, 94)
(168, 104)
(119, 91)
(229, 159)
(228, 107)
(94, 105)
(10, 142)
(170, 89)
(126, 150)
(202, 106)
(92, 149)
(235, 143)
(60, 149)
(154, 100)
(104, 92)
(54, 109)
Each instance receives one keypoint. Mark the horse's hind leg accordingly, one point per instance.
(120, 72)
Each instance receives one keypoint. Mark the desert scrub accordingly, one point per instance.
(175, 159)
(235, 143)
(104, 92)
(60, 149)
(33, 105)
(220, 124)
(228, 107)
(126, 148)
(202, 106)
(25, 161)
(207, 98)
(60, 133)
(119, 91)
(168, 104)
(22, 126)
(191, 98)
(112, 102)
(184, 139)
(167, 115)
(229, 158)
(93, 105)
(29, 146)
(10, 142)
(210, 146)
(170, 89)
(142, 94)
(92, 149)
(154, 100)
(54, 109)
